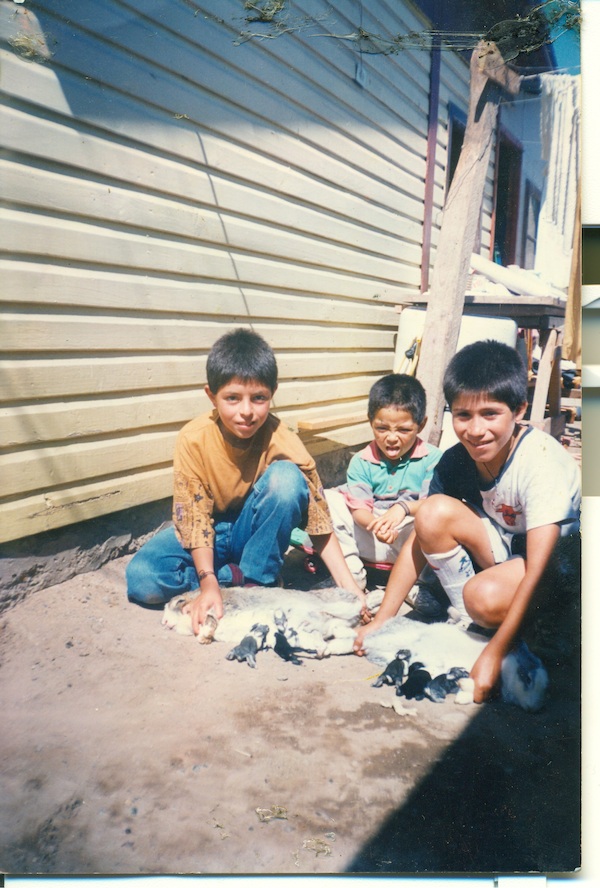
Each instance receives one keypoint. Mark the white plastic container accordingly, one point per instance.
(472, 328)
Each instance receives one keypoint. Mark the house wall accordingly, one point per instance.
(519, 117)
(167, 179)
(166, 182)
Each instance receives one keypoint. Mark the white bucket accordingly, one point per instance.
(472, 328)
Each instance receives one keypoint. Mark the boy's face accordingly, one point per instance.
(243, 407)
(395, 432)
(485, 427)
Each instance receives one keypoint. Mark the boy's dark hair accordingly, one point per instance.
(242, 354)
(490, 369)
(398, 390)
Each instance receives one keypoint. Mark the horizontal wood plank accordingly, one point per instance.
(59, 422)
(43, 379)
(54, 142)
(29, 333)
(53, 509)
(44, 284)
(27, 234)
(334, 421)
(256, 223)
(182, 132)
(345, 436)
(45, 468)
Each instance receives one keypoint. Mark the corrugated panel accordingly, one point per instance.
(165, 182)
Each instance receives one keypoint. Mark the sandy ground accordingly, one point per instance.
(129, 749)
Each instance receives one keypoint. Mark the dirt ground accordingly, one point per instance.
(129, 749)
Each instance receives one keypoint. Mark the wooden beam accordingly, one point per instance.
(460, 224)
(548, 366)
(317, 425)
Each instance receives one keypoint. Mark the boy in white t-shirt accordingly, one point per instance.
(503, 489)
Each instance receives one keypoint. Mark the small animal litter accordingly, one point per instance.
(250, 645)
(323, 622)
(416, 682)
(435, 649)
(447, 683)
(394, 672)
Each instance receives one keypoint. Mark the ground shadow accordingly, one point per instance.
(504, 798)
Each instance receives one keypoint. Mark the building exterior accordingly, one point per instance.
(167, 176)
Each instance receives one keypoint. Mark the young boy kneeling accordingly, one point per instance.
(373, 512)
(501, 482)
(243, 482)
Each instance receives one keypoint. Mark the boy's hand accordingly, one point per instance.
(365, 614)
(486, 673)
(360, 636)
(200, 606)
(385, 527)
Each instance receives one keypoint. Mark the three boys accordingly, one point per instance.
(243, 482)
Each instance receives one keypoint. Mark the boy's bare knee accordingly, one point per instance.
(482, 602)
(434, 514)
(430, 509)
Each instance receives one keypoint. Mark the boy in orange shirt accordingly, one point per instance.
(243, 482)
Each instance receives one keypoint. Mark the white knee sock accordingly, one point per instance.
(453, 569)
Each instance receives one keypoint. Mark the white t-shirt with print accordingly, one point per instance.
(539, 484)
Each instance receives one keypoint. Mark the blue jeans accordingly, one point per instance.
(256, 539)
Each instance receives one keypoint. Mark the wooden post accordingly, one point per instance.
(548, 386)
(490, 79)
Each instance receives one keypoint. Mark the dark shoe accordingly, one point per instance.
(428, 601)
(425, 603)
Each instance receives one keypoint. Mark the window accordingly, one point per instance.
(507, 185)
(531, 214)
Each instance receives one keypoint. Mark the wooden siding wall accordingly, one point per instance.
(163, 185)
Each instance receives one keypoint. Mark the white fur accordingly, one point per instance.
(466, 689)
(439, 646)
(318, 616)
(174, 618)
(325, 620)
